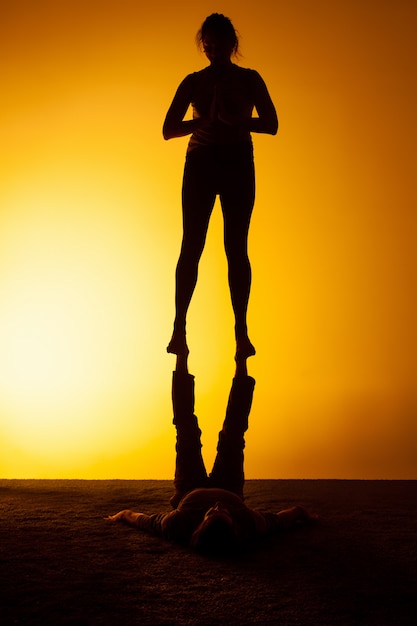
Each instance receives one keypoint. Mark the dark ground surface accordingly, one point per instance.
(60, 563)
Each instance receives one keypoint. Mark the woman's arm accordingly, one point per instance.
(267, 120)
(149, 523)
(286, 519)
(127, 516)
(174, 124)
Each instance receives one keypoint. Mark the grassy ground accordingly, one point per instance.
(60, 563)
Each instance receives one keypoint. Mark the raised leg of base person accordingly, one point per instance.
(190, 472)
(228, 472)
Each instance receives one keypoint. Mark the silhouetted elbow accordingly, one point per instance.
(270, 129)
(267, 125)
(274, 127)
(167, 130)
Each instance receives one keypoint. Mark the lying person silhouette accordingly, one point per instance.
(209, 513)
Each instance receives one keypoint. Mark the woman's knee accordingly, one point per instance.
(236, 248)
(191, 250)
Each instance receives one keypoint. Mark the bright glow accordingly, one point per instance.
(78, 318)
(90, 230)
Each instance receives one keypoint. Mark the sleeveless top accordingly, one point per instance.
(236, 86)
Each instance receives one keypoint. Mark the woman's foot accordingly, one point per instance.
(241, 368)
(181, 366)
(244, 348)
(178, 344)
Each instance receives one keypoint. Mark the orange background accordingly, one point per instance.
(90, 229)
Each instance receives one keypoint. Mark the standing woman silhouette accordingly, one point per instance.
(219, 161)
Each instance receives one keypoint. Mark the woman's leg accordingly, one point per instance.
(198, 197)
(237, 200)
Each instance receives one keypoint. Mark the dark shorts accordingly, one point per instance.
(227, 171)
(224, 170)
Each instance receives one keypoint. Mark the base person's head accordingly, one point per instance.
(216, 533)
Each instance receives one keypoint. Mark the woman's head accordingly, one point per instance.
(216, 533)
(218, 38)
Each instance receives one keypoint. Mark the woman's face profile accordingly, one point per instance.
(217, 49)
